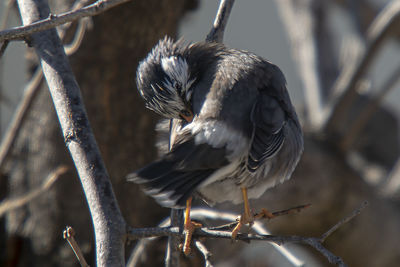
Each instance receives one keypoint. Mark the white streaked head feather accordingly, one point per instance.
(178, 71)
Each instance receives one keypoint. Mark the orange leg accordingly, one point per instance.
(246, 218)
(189, 227)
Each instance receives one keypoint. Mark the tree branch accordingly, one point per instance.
(109, 225)
(217, 31)
(19, 33)
(202, 214)
(345, 88)
(315, 242)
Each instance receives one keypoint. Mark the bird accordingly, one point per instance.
(233, 131)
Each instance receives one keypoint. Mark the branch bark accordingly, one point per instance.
(109, 226)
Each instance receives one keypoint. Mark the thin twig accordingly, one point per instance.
(19, 33)
(264, 215)
(217, 31)
(343, 221)
(368, 110)
(3, 47)
(206, 254)
(282, 212)
(83, 25)
(69, 234)
(13, 203)
(345, 88)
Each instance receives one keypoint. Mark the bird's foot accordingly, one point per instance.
(189, 228)
(244, 219)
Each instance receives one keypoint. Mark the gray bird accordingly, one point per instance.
(233, 130)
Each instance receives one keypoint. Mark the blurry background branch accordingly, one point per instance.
(299, 23)
(345, 88)
(9, 204)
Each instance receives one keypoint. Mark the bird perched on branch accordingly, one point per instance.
(233, 130)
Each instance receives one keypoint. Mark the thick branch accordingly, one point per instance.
(52, 21)
(109, 226)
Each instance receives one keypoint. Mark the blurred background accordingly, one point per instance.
(341, 60)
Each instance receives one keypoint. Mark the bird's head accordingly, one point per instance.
(164, 80)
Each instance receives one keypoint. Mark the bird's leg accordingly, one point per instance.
(189, 227)
(246, 217)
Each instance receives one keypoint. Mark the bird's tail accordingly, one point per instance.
(168, 185)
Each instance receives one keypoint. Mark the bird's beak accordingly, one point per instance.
(189, 118)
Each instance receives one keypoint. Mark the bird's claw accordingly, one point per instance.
(242, 220)
(190, 227)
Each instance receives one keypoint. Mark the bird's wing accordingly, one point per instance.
(172, 179)
(268, 119)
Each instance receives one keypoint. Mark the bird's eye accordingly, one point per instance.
(186, 113)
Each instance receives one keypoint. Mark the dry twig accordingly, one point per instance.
(69, 234)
